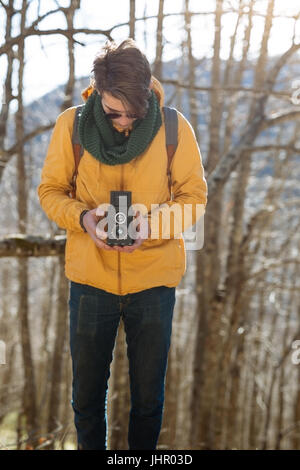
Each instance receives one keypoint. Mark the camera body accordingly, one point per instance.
(118, 219)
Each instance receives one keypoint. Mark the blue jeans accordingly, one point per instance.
(94, 319)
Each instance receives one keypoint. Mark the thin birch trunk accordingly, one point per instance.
(53, 421)
(132, 19)
(157, 67)
(207, 341)
(7, 84)
(29, 393)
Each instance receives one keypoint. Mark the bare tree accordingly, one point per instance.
(157, 66)
(29, 393)
(132, 19)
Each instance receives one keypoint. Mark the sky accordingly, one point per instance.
(46, 57)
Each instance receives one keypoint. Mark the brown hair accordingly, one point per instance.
(125, 73)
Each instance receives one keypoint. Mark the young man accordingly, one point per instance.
(122, 131)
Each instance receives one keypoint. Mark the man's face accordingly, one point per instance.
(112, 105)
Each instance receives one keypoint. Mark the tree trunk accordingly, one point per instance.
(58, 353)
(132, 19)
(29, 393)
(119, 397)
(208, 277)
(157, 66)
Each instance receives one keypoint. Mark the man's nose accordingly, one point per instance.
(123, 120)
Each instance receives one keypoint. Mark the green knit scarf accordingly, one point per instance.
(99, 137)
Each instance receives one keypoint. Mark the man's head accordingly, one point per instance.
(122, 77)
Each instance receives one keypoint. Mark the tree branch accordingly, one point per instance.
(228, 161)
(23, 246)
(268, 147)
(31, 31)
(226, 89)
(281, 117)
(5, 155)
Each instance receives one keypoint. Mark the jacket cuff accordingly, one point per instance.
(81, 219)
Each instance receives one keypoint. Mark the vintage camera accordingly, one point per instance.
(118, 219)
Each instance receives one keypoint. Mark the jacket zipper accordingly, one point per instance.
(119, 254)
(119, 273)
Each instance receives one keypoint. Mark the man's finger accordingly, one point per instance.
(101, 244)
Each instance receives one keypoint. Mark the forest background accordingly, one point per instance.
(232, 67)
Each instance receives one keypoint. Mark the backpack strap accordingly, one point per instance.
(77, 149)
(171, 127)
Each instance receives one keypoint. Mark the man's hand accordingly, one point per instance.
(91, 219)
(143, 233)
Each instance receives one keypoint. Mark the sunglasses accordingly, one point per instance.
(117, 115)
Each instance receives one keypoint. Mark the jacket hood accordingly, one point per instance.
(157, 87)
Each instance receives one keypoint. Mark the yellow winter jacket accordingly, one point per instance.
(161, 259)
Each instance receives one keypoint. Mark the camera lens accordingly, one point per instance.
(120, 218)
(119, 231)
